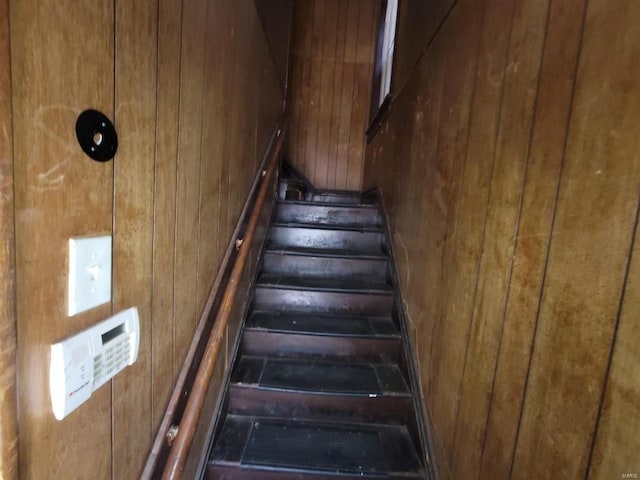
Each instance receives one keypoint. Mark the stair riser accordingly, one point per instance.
(292, 300)
(324, 215)
(250, 401)
(325, 267)
(366, 242)
(275, 344)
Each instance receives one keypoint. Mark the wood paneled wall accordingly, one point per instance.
(417, 22)
(194, 93)
(510, 169)
(8, 407)
(277, 20)
(329, 102)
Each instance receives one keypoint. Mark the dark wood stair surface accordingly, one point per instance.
(325, 284)
(318, 388)
(325, 252)
(322, 377)
(334, 237)
(319, 324)
(328, 214)
(253, 446)
(340, 197)
(337, 227)
(317, 263)
(323, 336)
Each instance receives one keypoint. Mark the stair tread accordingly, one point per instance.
(352, 237)
(323, 324)
(359, 285)
(309, 446)
(319, 376)
(323, 226)
(325, 252)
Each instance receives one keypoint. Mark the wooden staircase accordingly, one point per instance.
(320, 387)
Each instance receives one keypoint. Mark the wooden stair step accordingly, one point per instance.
(296, 299)
(299, 334)
(353, 237)
(263, 448)
(336, 196)
(325, 252)
(346, 227)
(319, 324)
(346, 284)
(367, 379)
(327, 214)
(319, 390)
(298, 263)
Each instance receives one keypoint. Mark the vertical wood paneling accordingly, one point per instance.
(430, 100)
(59, 193)
(361, 100)
(313, 100)
(334, 43)
(293, 107)
(226, 146)
(589, 250)
(452, 102)
(194, 19)
(336, 97)
(534, 227)
(299, 69)
(417, 23)
(451, 340)
(268, 105)
(164, 207)
(196, 95)
(494, 274)
(619, 423)
(8, 407)
(243, 105)
(346, 95)
(135, 116)
(513, 246)
(327, 63)
(212, 139)
(276, 17)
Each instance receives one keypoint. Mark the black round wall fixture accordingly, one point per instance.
(97, 135)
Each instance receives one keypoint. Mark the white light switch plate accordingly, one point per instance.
(89, 273)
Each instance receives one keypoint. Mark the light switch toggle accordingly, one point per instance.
(94, 270)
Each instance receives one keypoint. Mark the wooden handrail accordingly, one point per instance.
(184, 438)
(157, 458)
